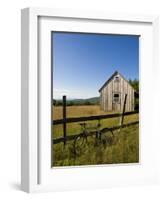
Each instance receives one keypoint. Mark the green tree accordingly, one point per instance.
(87, 103)
(58, 103)
(135, 84)
(54, 102)
(70, 103)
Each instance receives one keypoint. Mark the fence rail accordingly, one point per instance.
(89, 118)
(72, 137)
(66, 120)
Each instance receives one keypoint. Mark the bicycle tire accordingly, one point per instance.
(109, 137)
(79, 144)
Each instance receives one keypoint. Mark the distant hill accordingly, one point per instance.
(71, 102)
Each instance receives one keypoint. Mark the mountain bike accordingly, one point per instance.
(103, 136)
(81, 139)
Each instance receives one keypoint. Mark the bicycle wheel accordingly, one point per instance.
(79, 144)
(106, 137)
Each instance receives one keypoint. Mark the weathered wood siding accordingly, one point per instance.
(120, 87)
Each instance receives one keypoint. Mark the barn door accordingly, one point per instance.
(116, 102)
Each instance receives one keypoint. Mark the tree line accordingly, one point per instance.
(135, 85)
(95, 100)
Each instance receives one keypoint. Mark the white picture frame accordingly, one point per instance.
(36, 171)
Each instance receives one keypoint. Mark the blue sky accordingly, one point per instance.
(83, 62)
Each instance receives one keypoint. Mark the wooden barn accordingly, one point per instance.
(113, 91)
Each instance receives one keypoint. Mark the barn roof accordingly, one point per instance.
(114, 74)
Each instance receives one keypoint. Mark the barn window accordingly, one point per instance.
(116, 98)
(116, 79)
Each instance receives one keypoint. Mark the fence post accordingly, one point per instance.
(123, 111)
(64, 119)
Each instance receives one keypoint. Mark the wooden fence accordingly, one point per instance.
(66, 120)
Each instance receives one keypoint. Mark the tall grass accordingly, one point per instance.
(124, 149)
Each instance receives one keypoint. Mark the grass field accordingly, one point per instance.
(124, 149)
